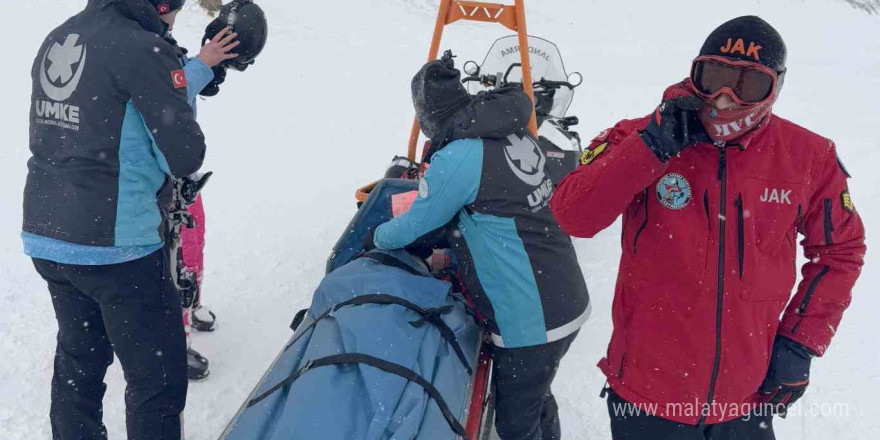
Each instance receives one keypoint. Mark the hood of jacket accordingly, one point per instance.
(141, 11)
(492, 114)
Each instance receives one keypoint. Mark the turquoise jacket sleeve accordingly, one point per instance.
(451, 183)
(198, 75)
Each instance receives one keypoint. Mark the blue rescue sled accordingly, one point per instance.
(386, 351)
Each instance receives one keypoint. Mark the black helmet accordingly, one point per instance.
(247, 19)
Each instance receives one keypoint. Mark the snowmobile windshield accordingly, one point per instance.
(503, 61)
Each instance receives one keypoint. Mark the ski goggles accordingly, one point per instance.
(746, 82)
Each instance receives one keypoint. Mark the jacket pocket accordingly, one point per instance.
(828, 222)
(771, 210)
(767, 215)
(706, 209)
(643, 207)
(740, 235)
(805, 303)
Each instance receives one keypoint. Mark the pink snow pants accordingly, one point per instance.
(193, 244)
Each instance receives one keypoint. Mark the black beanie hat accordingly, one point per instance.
(166, 6)
(438, 94)
(747, 38)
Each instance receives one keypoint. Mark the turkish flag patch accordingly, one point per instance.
(603, 136)
(163, 8)
(178, 78)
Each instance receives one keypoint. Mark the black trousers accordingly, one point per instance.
(130, 309)
(525, 408)
(632, 425)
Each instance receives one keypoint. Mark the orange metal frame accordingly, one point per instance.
(512, 17)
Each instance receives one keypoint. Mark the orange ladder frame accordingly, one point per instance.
(512, 17)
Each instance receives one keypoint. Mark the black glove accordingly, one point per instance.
(674, 126)
(213, 87)
(788, 375)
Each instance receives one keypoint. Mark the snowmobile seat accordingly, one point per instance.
(377, 209)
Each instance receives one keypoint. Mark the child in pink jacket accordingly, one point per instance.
(193, 243)
(199, 72)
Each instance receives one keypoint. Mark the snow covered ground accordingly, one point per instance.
(328, 105)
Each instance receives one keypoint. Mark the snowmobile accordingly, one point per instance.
(553, 92)
(391, 346)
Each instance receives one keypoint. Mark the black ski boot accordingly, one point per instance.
(196, 366)
(203, 319)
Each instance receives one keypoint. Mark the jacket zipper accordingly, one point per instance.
(798, 226)
(644, 223)
(799, 223)
(740, 232)
(802, 310)
(722, 221)
(606, 388)
(706, 207)
(626, 223)
(829, 224)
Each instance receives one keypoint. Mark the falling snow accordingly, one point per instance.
(286, 172)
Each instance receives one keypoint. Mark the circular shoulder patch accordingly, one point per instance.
(674, 191)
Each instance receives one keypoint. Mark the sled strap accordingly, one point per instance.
(388, 260)
(432, 316)
(388, 367)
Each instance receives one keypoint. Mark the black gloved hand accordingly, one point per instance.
(213, 87)
(437, 95)
(788, 375)
(674, 126)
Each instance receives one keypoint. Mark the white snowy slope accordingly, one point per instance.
(327, 106)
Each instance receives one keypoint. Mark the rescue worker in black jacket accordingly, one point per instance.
(487, 179)
(109, 124)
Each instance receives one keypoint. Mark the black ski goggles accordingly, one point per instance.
(746, 82)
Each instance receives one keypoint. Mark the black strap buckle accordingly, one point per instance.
(432, 316)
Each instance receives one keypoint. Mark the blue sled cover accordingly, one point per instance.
(359, 401)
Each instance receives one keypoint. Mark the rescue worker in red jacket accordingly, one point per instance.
(714, 188)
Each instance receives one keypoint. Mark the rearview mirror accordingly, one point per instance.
(575, 79)
(471, 68)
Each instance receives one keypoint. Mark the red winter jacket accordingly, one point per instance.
(709, 256)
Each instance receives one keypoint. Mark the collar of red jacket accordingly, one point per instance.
(681, 89)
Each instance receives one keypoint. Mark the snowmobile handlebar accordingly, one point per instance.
(492, 81)
(485, 80)
(548, 84)
(569, 121)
